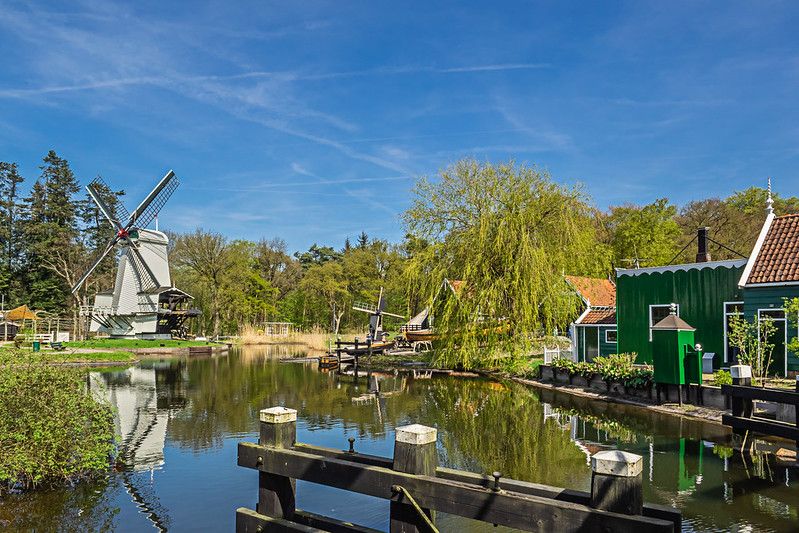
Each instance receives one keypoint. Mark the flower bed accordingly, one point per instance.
(613, 369)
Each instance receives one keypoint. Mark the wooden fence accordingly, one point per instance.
(743, 417)
(417, 487)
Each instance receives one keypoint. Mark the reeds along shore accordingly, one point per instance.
(252, 336)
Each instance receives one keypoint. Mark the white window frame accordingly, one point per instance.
(616, 331)
(726, 314)
(785, 334)
(651, 306)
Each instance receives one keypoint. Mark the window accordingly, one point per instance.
(610, 336)
(658, 312)
(731, 309)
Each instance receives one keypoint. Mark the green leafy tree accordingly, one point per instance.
(317, 255)
(509, 233)
(206, 257)
(327, 285)
(643, 235)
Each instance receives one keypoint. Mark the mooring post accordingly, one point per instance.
(276, 494)
(414, 453)
(616, 482)
(741, 375)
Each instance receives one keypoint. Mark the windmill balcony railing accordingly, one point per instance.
(87, 310)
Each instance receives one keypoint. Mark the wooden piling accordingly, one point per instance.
(617, 483)
(276, 494)
(414, 453)
(741, 375)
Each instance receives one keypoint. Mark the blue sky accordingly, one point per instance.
(309, 120)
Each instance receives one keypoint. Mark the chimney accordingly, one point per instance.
(702, 255)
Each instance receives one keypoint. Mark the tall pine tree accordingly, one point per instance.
(52, 235)
(10, 181)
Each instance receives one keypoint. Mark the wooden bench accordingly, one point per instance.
(58, 346)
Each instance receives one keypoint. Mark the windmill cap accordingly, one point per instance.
(673, 323)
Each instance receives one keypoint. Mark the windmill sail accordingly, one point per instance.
(152, 204)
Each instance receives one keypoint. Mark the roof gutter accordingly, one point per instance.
(756, 250)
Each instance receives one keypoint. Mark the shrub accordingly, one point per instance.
(722, 377)
(51, 429)
(615, 367)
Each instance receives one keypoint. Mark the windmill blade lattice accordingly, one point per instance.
(154, 207)
(117, 209)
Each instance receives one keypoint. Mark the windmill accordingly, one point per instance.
(143, 302)
(376, 313)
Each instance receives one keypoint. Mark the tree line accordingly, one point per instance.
(510, 231)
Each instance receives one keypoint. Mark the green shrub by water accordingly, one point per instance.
(52, 430)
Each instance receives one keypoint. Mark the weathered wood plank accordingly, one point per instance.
(760, 425)
(248, 521)
(663, 512)
(757, 393)
(521, 511)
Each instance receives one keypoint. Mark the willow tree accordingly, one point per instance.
(509, 233)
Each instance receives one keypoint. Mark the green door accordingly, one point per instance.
(591, 343)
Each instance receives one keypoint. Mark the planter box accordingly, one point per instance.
(561, 376)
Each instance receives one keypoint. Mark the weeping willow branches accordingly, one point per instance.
(509, 233)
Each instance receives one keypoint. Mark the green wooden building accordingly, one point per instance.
(706, 294)
(593, 333)
(770, 276)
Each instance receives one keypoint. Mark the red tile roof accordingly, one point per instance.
(598, 291)
(600, 316)
(778, 259)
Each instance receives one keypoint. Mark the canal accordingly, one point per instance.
(181, 421)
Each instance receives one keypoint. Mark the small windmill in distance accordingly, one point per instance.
(143, 302)
(376, 313)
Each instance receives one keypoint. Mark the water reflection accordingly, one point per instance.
(180, 421)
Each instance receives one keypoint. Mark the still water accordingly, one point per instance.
(181, 420)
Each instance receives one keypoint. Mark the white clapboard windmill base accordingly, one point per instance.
(376, 313)
(143, 302)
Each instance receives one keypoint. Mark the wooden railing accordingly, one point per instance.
(743, 417)
(417, 487)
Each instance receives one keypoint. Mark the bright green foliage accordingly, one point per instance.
(645, 235)
(510, 233)
(722, 377)
(51, 429)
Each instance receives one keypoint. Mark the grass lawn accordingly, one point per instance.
(121, 344)
(68, 357)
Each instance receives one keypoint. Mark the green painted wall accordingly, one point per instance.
(700, 293)
(605, 348)
(772, 298)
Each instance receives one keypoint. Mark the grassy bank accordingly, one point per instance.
(52, 431)
(122, 344)
(67, 356)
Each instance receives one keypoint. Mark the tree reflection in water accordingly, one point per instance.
(210, 404)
